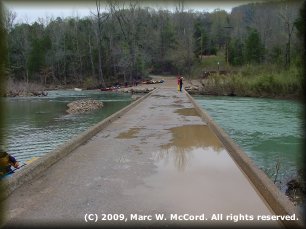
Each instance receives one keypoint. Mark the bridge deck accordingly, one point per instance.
(159, 158)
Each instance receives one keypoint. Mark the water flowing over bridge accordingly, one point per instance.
(160, 161)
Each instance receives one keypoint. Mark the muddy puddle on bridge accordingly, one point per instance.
(194, 174)
(187, 112)
(190, 144)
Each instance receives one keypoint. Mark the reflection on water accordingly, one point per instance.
(194, 174)
(186, 139)
(34, 126)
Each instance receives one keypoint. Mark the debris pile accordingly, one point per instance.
(137, 90)
(193, 89)
(84, 105)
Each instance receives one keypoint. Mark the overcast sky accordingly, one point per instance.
(30, 11)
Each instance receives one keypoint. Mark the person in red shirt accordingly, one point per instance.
(178, 82)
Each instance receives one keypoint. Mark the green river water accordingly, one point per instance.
(36, 125)
(268, 130)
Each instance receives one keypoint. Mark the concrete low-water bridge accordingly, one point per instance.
(160, 161)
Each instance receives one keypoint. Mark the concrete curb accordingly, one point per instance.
(41, 164)
(277, 201)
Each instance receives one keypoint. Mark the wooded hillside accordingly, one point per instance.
(128, 41)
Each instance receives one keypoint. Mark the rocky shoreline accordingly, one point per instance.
(136, 90)
(25, 94)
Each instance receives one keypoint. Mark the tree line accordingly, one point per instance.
(128, 41)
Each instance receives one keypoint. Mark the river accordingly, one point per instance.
(268, 130)
(36, 125)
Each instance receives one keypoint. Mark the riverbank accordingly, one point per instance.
(22, 89)
(247, 81)
(214, 90)
(259, 81)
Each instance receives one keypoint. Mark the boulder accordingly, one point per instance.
(193, 89)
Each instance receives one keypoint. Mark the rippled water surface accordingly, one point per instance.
(36, 125)
(269, 130)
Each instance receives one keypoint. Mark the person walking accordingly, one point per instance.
(181, 83)
(178, 82)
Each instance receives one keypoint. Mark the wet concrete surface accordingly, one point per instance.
(131, 133)
(187, 112)
(156, 159)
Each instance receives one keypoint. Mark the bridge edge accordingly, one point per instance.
(276, 200)
(10, 184)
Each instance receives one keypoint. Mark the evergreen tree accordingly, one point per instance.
(235, 52)
(254, 49)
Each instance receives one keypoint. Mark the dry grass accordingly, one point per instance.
(256, 81)
(22, 88)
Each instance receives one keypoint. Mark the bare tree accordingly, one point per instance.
(262, 22)
(288, 16)
(127, 20)
(184, 24)
(93, 72)
(10, 17)
(99, 17)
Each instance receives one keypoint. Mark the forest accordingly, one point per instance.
(127, 42)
